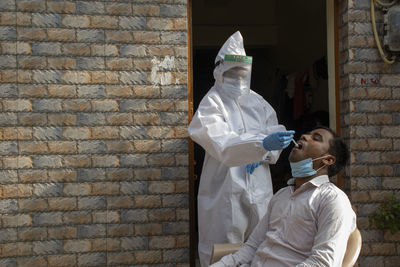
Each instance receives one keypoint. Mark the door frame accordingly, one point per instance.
(332, 13)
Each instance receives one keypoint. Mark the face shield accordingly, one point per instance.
(236, 79)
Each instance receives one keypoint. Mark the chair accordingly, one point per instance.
(350, 257)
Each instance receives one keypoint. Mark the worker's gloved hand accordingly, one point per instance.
(251, 167)
(278, 140)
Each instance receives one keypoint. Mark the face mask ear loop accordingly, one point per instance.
(323, 165)
(320, 168)
(320, 157)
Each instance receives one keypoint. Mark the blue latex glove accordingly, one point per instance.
(278, 140)
(251, 167)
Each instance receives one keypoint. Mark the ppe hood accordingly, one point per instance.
(233, 73)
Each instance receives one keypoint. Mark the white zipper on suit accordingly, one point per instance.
(248, 181)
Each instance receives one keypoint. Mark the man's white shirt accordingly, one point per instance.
(306, 227)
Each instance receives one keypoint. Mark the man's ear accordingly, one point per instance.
(329, 160)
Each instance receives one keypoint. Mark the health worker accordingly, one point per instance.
(236, 127)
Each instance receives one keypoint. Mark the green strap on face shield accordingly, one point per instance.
(238, 58)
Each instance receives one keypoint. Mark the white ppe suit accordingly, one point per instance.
(230, 125)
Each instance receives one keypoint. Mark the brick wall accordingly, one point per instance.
(93, 150)
(370, 102)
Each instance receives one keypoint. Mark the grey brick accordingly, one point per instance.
(131, 216)
(396, 169)
(133, 160)
(90, 7)
(133, 23)
(47, 133)
(8, 206)
(47, 247)
(8, 33)
(7, 5)
(8, 62)
(8, 90)
(361, 4)
(86, 175)
(174, 118)
(90, 147)
(53, 49)
(91, 231)
(47, 161)
(368, 157)
(175, 201)
(47, 190)
(8, 262)
(93, 203)
(8, 177)
(367, 209)
(46, 20)
(396, 118)
(134, 132)
(175, 145)
(173, 11)
(363, 28)
(92, 259)
(133, 105)
(8, 119)
(32, 119)
(173, 228)
(177, 92)
(132, 50)
(367, 105)
(92, 91)
(133, 77)
(174, 173)
(176, 255)
(47, 218)
(132, 188)
(91, 119)
(134, 243)
(117, 174)
(47, 76)
(47, 105)
(104, 50)
(93, 63)
(173, 37)
(7, 235)
(368, 183)
(372, 260)
(8, 148)
(366, 131)
(90, 36)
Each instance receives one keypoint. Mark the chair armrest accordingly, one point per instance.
(220, 250)
(353, 249)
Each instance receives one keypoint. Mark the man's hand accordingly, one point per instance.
(278, 140)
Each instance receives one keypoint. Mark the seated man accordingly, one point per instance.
(309, 222)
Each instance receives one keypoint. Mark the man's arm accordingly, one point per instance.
(246, 254)
(336, 220)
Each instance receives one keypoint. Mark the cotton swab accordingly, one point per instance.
(295, 144)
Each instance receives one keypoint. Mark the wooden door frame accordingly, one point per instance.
(192, 178)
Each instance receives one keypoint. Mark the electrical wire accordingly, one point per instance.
(377, 41)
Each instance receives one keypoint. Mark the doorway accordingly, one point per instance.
(291, 44)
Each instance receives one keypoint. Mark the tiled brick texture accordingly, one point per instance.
(369, 98)
(93, 118)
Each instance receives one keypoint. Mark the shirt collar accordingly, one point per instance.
(316, 181)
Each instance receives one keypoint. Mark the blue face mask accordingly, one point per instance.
(304, 168)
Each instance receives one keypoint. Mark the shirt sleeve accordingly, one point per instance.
(244, 256)
(336, 220)
(210, 129)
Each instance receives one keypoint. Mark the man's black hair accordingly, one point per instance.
(338, 149)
